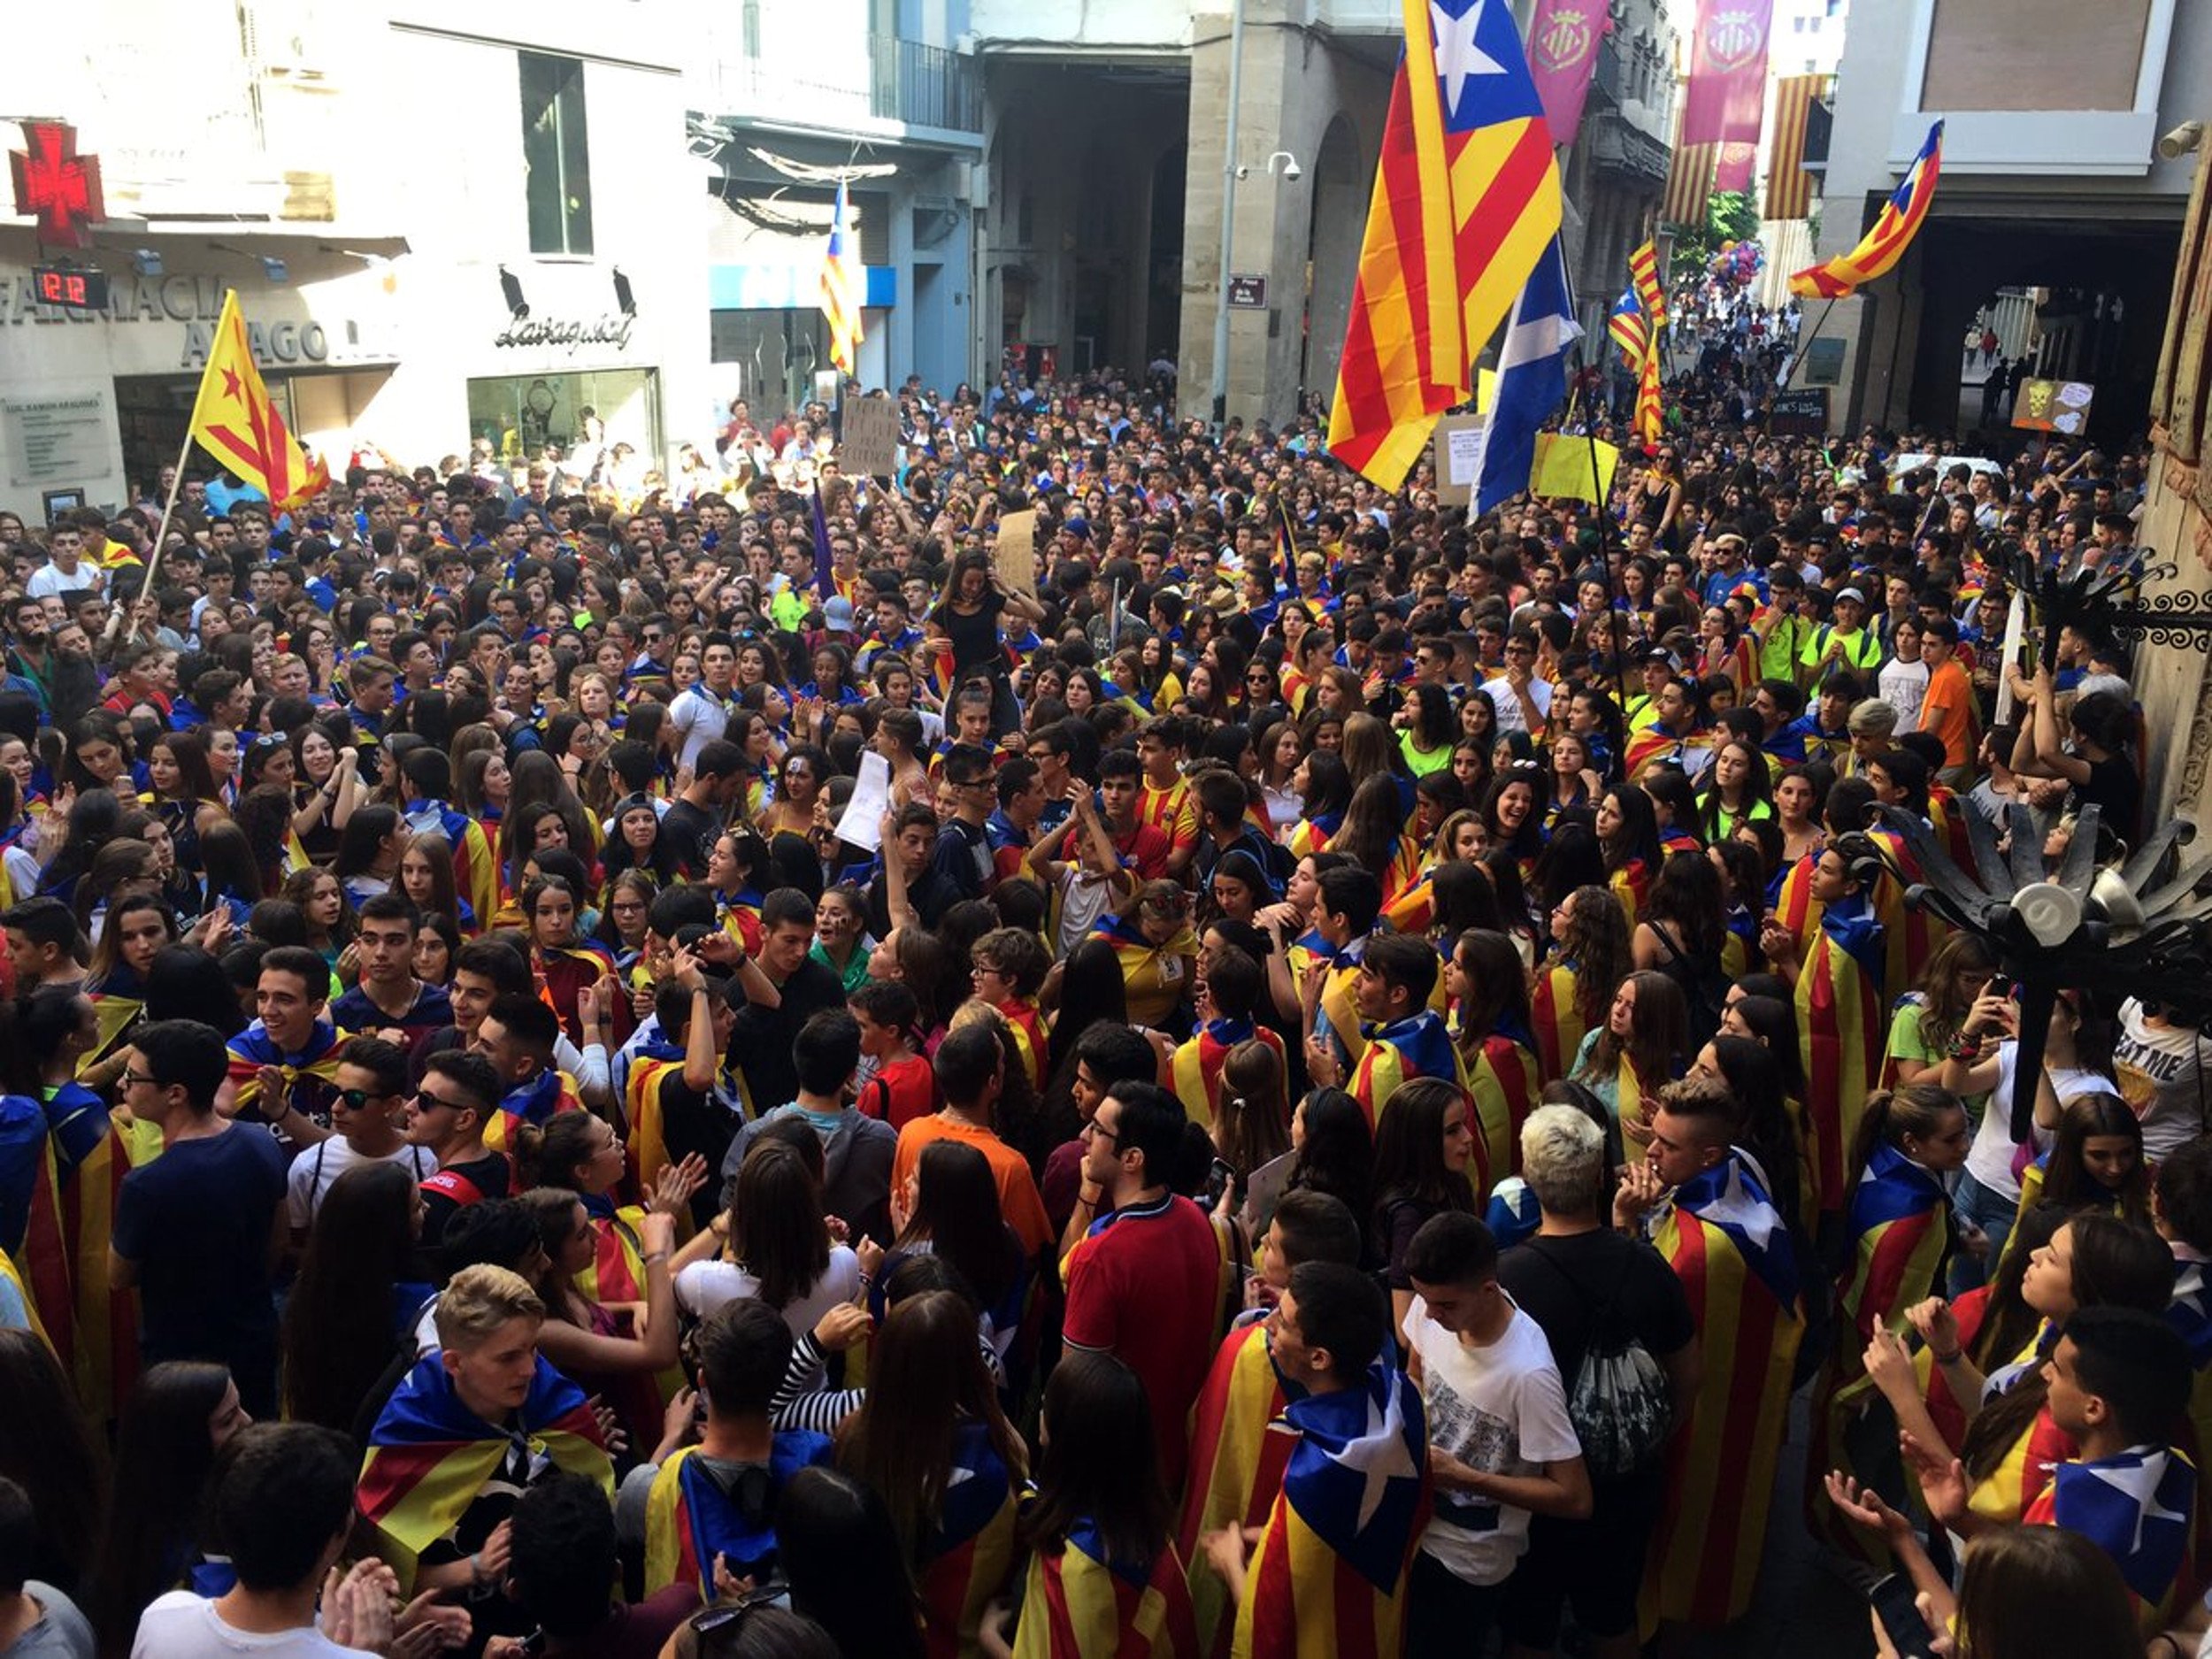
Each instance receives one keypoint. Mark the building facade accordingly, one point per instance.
(2052, 179)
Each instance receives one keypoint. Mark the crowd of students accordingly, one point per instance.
(1278, 1075)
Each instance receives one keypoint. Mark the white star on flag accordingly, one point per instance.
(1458, 60)
(1380, 1455)
(2139, 1482)
(1737, 1208)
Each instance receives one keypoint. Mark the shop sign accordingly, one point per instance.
(568, 333)
(56, 439)
(196, 301)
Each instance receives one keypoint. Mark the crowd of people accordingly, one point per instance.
(1250, 1068)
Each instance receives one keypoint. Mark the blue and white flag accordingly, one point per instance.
(1532, 378)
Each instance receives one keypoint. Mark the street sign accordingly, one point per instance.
(1247, 293)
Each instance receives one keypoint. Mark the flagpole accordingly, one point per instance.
(1804, 340)
(1602, 508)
(161, 535)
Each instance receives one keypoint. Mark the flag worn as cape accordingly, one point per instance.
(1556, 1014)
(429, 1456)
(1078, 1605)
(690, 1521)
(1728, 1247)
(2137, 1508)
(1198, 1063)
(967, 1563)
(1416, 1046)
(1327, 1578)
(1839, 1038)
(1236, 1464)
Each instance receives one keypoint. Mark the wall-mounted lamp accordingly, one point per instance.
(511, 287)
(625, 301)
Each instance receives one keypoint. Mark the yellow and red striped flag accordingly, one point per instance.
(1789, 187)
(1627, 327)
(1689, 184)
(1466, 200)
(236, 421)
(1891, 233)
(1651, 295)
(841, 291)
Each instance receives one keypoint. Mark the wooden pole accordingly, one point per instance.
(161, 535)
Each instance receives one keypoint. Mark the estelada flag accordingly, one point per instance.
(1727, 1245)
(967, 1560)
(1890, 234)
(1327, 1578)
(1466, 200)
(1081, 1605)
(233, 420)
(691, 1523)
(429, 1456)
(1236, 1464)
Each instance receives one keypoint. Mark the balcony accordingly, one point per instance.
(925, 86)
(891, 82)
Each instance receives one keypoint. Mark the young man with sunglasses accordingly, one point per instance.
(455, 1101)
(365, 1113)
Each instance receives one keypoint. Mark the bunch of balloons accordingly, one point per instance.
(1736, 262)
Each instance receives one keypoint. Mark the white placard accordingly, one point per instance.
(1463, 454)
(55, 441)
(862, 822)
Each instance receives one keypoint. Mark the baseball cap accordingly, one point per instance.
(837, 615)
(1852, 594)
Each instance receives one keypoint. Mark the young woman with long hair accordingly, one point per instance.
(1628, 834)
(178, 1418)
(1251, 1125)
(932, 1442)
(1797, 803)
(1101, 1523)
(1424, 1165)
(321, 900)
(1374, 836)
(1642, 1046)
(1572, 990)
(2095, 1160)
(1280, 751)
(1488, 988)
(1574, 780)
(44, 1450)
(949, 1208)
(1324, 786)
(1335, 1146)
(1683, 933)
(1514, 812)
(359, 1291)
(769, 1243)
(1735, 790)
(369, 852)
(582, 1335)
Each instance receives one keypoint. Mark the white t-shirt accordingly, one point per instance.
(2180, 1081)
(703, 1286)
(1904, 687)
(700, 717)
(183, 1625)
(1512, 717)
(1989, 1160)
(1499, 1408)
(312, 1172)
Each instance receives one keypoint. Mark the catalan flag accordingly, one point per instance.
(2136, 1507)
(1838, 1005)
(1081, 1605)
(1651, 300)
(429, 1456)
(691, 1522)
(1197, 1065)
(841, 289)
(1503, 1083)
(1286, 548)
(1555, 1015)
(234, 420)
(1466, 199)
(1626, 326)
(1727, 1245)
(966, 1562)
(1416, 1046)
(1236, 1464)
(1789, 187)
(1327, 1578)
(1891, 233)
(1689, 183)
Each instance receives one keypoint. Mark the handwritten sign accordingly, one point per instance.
(1017, 551)
(868, 446)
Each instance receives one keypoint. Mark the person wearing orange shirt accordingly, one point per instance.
(1947, 710)
(971, 1070)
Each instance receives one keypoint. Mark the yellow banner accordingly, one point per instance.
(1563, 467)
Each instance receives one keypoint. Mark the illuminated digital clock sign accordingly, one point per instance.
(71, 287)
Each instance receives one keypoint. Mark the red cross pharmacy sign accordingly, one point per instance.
(56, 186)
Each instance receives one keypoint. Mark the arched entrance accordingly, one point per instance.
(1340, 186)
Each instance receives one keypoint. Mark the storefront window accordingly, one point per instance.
(587, 413)
(775, 354)
(154, 412)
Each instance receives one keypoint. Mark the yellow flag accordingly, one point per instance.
(1562, 468)
(234, 419)
(1486, 390)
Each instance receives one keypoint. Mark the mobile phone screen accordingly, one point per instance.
(1894, 1606)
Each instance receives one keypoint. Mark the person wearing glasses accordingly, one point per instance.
(367, 1115)
(455, 1100)
(963, 847)
(198, 1229)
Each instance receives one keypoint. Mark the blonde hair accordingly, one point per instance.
(478, 1301)
(1563, 1159)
